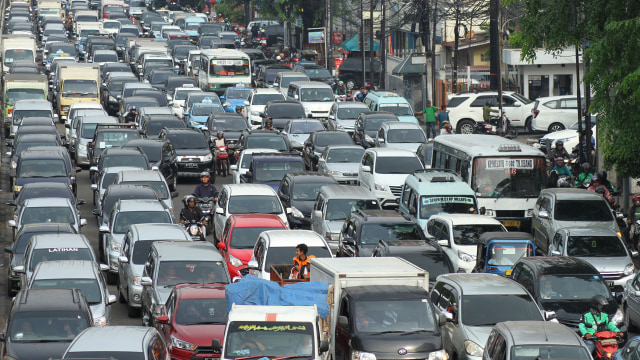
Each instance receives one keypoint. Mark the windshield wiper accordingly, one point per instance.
(207, 322)
(387, 332)
(417, 332)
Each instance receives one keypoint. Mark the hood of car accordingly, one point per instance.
(162, 293)
(334, 226)
(299, 138)
(570, 311)
(21, 181)
(305, 206)
(413, 147)
(609, 263)
(396, 343)
(236, 102)
(594, 224)
(478, 334)
(193, 152)
(391, 179)
(199, 335)
(563, 134)
(37, 351)
(198, 118)
(408, 118)
(243, 255)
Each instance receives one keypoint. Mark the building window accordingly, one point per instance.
(562, 85)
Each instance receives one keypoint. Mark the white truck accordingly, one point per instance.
(17, 47)
(272, 331)
(380, 309)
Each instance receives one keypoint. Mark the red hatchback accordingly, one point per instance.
(240, 235)
(194, 315)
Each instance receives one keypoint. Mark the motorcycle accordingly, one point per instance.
(606, 344)
(196, 229)
(222, 160)
(493, 127)
(207, 206)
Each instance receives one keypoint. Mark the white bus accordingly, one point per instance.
(507, 176)
(223, 68)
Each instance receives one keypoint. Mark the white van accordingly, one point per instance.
(316, 97)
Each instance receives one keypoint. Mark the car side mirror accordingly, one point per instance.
(174, 194)
(253, 265)
(366, 168)
(543, 214)
(380, 140)
(11, 202)
(123, 259)
(246, 103)
(555, 253)
(343, 321)
(317, 214)
(215, 346)
(19, 269)
(111, 299)
(103, 229)
(634, 253)
(221, 246)
(442, 319)
(331, 117)
(78, 169)
(444, 242)
(233, 167)
(448, 316)
(220, 211)
(68, 126)
(8, 249)
(11, 223)
(324, 346)
(289, 211)
(164, 319)
(94, 187)
(550, 315)
(81, 201)
(146, 281)
(93, 168)
(83, 222)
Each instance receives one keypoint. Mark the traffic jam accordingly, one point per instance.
(187, 188)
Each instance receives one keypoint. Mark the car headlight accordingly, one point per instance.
(339, 126)
(489, 212)
(296, 213)
(382, 187)
(207, 157)
(438, 355)
(115, 246)
(368, 138)
(361, 355)
(335, 173)
(235, 261)
(255, 113)
(82, 147)
(332, 236)
(100, 321)
(617, 318)
(628, 270)
(472, 348)
(136, 280)
(181, 344)
(112, 99)
(466, 257)
(194, 230)
(17, 188)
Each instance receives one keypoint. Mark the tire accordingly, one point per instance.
(556, 127)
(101, 251)
(513, 132)
(174, 183)
(112, 278)
(351, 84)
(465, 127)
(121, 298)
(527, 125)
(627, 320)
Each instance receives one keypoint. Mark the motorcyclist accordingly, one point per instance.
(191, 212)
(131, 115)
(447, 129)
(268, 125)
(341, 89)
(605, 182)
(561, 168)
(595, 183)
(219, 141)
(228, 107)
(205, 189)
(632, 216)
(595, 321)
(585, 176)
(487, 111)
(559, 151)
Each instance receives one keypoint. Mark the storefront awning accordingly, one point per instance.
(353, 44)
(407, 68)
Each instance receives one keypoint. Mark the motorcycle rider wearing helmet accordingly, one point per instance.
(595, 183)
(561, 168)
(595, 321)
(228, 108)
(559, 151)
(205, 189)
(585, 175)
(131, 115)
(220, 140)
(605, 182)
(268, 125)
(446, 129)
(632, 216)
(191, 211)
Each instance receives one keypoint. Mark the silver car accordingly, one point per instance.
(400, 135)
(343, 115)
(106, 177)
(299, 130)
(124, 214)
(79, 274)
(133, 342)
(151, 178)
(84, 130)
(244, 162)
(46, 210)
(134, 255)
(601, 248)
(341, 162)
(561, 208)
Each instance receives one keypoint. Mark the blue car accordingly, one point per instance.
(630, 351)
(236, 95)
(499, 251)
(199, 113)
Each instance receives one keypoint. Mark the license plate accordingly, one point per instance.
(609, 283)
(190, 165)
(511, 223)
(508, 272)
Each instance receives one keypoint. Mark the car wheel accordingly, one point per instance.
(351, 84)
(121, 298)
(556, 127)
(465, 127)
(627, 320)
(101, 251)
(174, 183)
(527, 125)
(112, 278)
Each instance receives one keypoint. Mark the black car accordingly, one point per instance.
(111, 93)
(110, 67)
(43, 322)
(156, 94)
(318, 140)
(192, 150)
(161, 155)
(281, 111)
(364, 228)
(108, 136)
(137, 102)
(367, 126)
(422, 254)
(35, 130)
(113, 157)
(45, 164)
(315, 72)
(152, 124)
(267, 74)
(174, 82)
(44, 189)
(298, 191)
(351, 72)
(264, 139)
(564, 285)
(19, 246)
(30, 140)
(157, 77)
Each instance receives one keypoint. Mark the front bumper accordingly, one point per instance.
(113, 260)
(386, 199)
(300, 223)
(134, 295)
(82, 158)
(193, 168)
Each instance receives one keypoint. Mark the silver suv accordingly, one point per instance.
(565, 207)
(473, 304)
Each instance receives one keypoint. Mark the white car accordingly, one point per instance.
(244, 162)
(569, 137)
(179, 97)
(384, 170)
(458, 236)
(256, 102)
(246, 199)
(465, 109)
(554, 113)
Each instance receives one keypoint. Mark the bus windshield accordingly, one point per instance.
(231, 67)
(513, 177)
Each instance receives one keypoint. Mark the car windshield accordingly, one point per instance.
(283, 255)
(272, 73)
(372, 233)
(287, 111)
(446, 204)
(12, 55)
(590, 210)
(45, 168)
(205, 110)
(316, 94)
(306, 127)
(595, 246)
(246, 237)
(549, 352)
(238, 93)
(317, 74)
(74, 87)
(108, 139)
(381, 316)
(339, 209)
(188, 140)
(154, 127)
(235, 67)
(468, 234)
(125, 160)
(263, 99)
(88, 130)
(286, 80)
(307, 191)
(100, 58)
(509, 177)
(238, 124)
(107, 180)
(281, 339)
(182, 94)
(333, 138)
(201, 311)
(56, 254)
(572, 287)
(46, 326)
(17, 94)
(488, 310)
(373, 124)
(269, 171)
(398, 109)
(125, 219)
(350, 113)
(19, 114)
(505, 253)
(105, 354)
(23, 145)
(406, 136)
(267, 142)
(254, 204)
(435, 263)
(172, 273)
(160, 77)
(397, 164)
(89, 287)
(345, 156)
(158, 186)
(111, 25)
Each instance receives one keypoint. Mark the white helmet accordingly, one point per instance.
(278, 58)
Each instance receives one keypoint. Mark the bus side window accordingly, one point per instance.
(405, 196)
(464, 171)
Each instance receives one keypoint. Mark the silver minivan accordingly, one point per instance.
(316, 97)
(30, 108)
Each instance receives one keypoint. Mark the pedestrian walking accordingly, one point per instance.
(430, 119)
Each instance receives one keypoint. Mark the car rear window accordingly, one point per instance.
(590, 210)
(456, 101)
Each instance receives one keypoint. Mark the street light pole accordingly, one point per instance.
(362, 52)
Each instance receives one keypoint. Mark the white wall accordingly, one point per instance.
(550, 70)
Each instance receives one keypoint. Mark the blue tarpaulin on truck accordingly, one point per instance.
(251, 290)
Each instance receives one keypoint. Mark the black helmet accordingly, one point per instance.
(205, 174)
(188, 198)
(598, 302)
(559, 143)
(585, 166)
(600, 190)
(220, 133)
(602, 175)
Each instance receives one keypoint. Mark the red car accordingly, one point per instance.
(240, 235)
(194, 314)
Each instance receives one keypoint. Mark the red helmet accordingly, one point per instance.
(636, 198)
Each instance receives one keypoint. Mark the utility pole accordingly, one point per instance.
(494, 47)
(362, 52)
(371, 47)
(433, 51)
(383, 47)
(329, 37)
(456, 36)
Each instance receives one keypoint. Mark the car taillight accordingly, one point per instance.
(535, 113)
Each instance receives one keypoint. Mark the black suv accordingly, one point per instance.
(267, 74)
(564, 285)
(110, 136)
(318, 141)
(315, 72)
(299, 190)
(43, 322)
(45, 164)
(364, 228)
(281, 111)
(192, 151)
(367, 126)
(112, 157)
(152, 124)
(351, 72)
(112, 93)
(266, 139)
(161, 155)
(425, 255)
